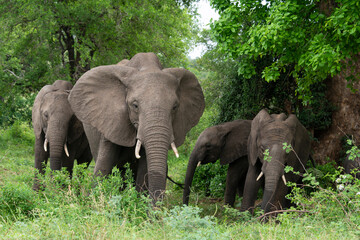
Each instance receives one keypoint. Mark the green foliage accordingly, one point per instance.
(15, 107)
(130, 205)
(188, 224)
(240, 98)
(267, 156)
(312, 39)
(42, 41)
(354, 152)
(18, 132)
(210, 179)
(73, 209)
(16, 200)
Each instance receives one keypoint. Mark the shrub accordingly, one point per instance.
(185, 222)
(16, 200)
(16, 108)
(210, 179)
(18, 132)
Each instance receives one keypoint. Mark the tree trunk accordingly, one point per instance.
(345, 119)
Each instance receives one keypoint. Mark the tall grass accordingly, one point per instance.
(79, 209)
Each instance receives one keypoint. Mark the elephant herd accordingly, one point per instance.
(135, 111)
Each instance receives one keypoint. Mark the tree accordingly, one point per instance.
(47, 40)
(313, 48)
(310, 40)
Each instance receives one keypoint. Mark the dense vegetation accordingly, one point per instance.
(245, 69)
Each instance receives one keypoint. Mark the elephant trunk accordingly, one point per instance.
(57, 140)
(193, 161)
(273, 173)
(156, 137)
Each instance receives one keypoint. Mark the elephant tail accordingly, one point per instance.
(181, 185)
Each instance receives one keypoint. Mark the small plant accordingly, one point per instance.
(210, 179)
(354, 152)
(267, 156)
(16, 200)
(129, 204)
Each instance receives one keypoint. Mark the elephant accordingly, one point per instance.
(227, 142)
(268, 133)
(134, 112)
(350, 165)
(58, 133)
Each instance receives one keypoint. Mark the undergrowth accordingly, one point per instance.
(88, 208)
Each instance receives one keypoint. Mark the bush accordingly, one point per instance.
(129, 205)
(16, 108)
(16, 200)
(185, 222)
(19, 132)
(210, 179)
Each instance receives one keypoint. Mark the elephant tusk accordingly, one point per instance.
(199, 163)
(173, 146)
(260, 175)
(137, 149)
(66, 150)
(284, 179)
(45, 144)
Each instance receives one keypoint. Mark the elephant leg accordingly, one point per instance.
(142, 182)
(68, 164)
(41, 158)
(85, 157)
(241, 183)
(107, 157)
(232, 182)
(251, 188)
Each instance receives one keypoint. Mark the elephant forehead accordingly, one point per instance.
(275, 132)
(157, 78)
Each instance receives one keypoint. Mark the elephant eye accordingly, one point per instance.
(135, 105)
(175, 107)
(46, 115)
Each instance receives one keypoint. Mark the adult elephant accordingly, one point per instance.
(137, 103)
(227, 142)
(58, 133)
(269, 132)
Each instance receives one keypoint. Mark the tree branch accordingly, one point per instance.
(282, 211)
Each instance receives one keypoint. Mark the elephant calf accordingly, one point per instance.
(268, 133)
(58, 133)
(227, 142)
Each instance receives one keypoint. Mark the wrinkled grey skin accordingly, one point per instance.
(227, 142)
(350, 165)
(270, 132)
(54, 120)
(137, 99)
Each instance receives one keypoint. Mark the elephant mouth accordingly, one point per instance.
(138, 147)
(66, 150)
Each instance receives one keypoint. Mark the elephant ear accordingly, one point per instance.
(302, 142)
(191, 105)
(256, 125)
(36, 110)
(98, 99)
(235, 145)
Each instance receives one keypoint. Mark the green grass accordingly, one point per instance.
(75, 210)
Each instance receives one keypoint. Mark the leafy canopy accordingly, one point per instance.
(312, 39)
(42, 41)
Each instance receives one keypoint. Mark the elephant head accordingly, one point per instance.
(54, 123)
(269, 132)
(137, 101)
(227, 142)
